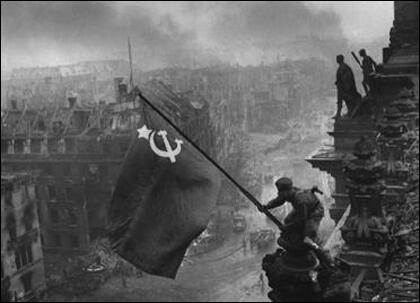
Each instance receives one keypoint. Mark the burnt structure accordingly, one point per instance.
(90, 81)
(368, 161)
(260, 98)
(272, 104)
(400, 75)
(22, 267)
(243, 100)
(76, 151)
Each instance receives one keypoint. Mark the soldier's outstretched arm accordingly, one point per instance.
(276, 202)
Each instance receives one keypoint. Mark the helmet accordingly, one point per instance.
(284, 184)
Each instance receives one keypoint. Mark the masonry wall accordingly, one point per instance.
(22, 257)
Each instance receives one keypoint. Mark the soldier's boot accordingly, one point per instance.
(339, 108)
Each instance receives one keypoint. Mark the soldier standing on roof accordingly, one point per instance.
(346, 88)
(369, 68)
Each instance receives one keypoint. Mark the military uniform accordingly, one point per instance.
(307, 209)
(346, 89)
(369, 68)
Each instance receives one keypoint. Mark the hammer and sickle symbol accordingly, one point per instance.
(169, 152)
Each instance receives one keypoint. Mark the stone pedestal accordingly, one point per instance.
(293, 277)
(305, 276)
(366, 230)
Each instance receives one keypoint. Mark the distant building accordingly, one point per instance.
(76, 152)
(262, 97)
(400, 73)
(22, 268)
(34, 87)
(248, 99)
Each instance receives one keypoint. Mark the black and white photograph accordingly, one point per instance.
(209, 151)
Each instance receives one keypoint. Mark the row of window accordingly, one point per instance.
(23, 255)
(53, 145)
(11, 224)
(37, 146)
(105, 171)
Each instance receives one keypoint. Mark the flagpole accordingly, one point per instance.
(131, 63)
(245, 192)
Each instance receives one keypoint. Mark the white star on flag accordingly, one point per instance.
(144, 132)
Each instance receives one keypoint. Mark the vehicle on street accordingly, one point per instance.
(202, 244)
(263, 238)
(238, 223)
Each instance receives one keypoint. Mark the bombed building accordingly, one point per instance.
(76, 151)
(22, 267)
(396, 88)
(374, 162)
(89, 81)
(100, 212)
(261, 98)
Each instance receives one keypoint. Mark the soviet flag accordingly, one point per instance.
(164, 196)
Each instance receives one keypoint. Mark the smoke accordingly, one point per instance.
(267, 29)
(50, 33)
(54, 32)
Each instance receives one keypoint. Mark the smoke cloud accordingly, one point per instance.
(165, 34)
(267, 29)
(47, 33)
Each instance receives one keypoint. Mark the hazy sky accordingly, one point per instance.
(178, 33)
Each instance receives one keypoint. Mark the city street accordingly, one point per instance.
(229, 273)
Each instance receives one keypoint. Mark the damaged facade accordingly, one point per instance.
(400, 72)
(76, 151)
(243, 100)
(370, 159)
(89, 81)
(22, 267)
(262, 98)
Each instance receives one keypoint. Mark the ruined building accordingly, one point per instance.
(249, 99)
(22, 267)
(262, 98)
(89, 81)
(369, 157)
(271, 105)
(400, 72)
(76, 151)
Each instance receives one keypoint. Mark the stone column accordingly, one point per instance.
(366, 230)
